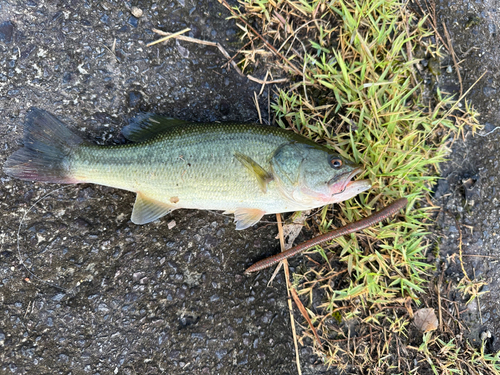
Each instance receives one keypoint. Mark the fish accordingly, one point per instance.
(248, 170)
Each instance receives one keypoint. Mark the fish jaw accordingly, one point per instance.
(343, 188)
(351, 189)
(339, 184)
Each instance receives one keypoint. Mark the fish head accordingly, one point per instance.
(312, 175)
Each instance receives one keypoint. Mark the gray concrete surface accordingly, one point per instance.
(106, 296)
(109, 297)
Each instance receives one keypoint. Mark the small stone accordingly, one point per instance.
(489, 91)
(105, 19)
(134, 98)
(66, 78)
(485, 335)
(6, 31)
(133, 21)
(58, 297)
(224, 107)
(136, 12)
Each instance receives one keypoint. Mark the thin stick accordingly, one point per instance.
(454, 57)
(268, 105)
(19, 255)
(256, 100)
(478, 301)
(440, 310)
(197, 41)
(264, 82)
(288, 286)
(304, 312)
(460, 252)
(112, 50)
(169, 36)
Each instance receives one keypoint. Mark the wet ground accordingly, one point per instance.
(109, 297)
(470, 193)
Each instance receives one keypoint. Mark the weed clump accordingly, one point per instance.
(355, 84)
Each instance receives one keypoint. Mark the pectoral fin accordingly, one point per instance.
(147, 210)
(263, 177)
(246, 217)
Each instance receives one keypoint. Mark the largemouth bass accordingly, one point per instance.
(246, 169)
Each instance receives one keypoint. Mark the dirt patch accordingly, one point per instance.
(469, 191)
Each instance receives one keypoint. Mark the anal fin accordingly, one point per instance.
(246, 217)
(147, 210)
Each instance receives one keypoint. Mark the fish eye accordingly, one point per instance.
(336, 163)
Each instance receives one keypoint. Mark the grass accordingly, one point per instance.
(355, 84)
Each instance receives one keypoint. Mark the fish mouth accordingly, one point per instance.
(340, 184)
(346, 189)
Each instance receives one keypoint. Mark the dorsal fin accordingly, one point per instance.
(147, 125)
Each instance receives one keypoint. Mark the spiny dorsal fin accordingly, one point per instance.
(262, 176)
(147, 210)
(246, 217)
(146, 125)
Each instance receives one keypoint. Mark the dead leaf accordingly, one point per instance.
(291, 231)
(426, 320)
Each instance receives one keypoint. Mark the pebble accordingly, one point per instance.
(133, 21)
(134, 98)
(136, 12)
(6, 31)
(489, 91)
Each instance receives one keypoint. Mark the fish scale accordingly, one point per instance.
(187, 166)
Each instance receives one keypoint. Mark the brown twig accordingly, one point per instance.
(168, 36)
(440, 309)
(197, 41)
(265, 82)
(432, 21)
(256, 101)
(478, 300)
(460, 251)
(305, 314)
(288, 288)
(454, 57)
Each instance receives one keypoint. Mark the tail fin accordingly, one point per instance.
(47, 145)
